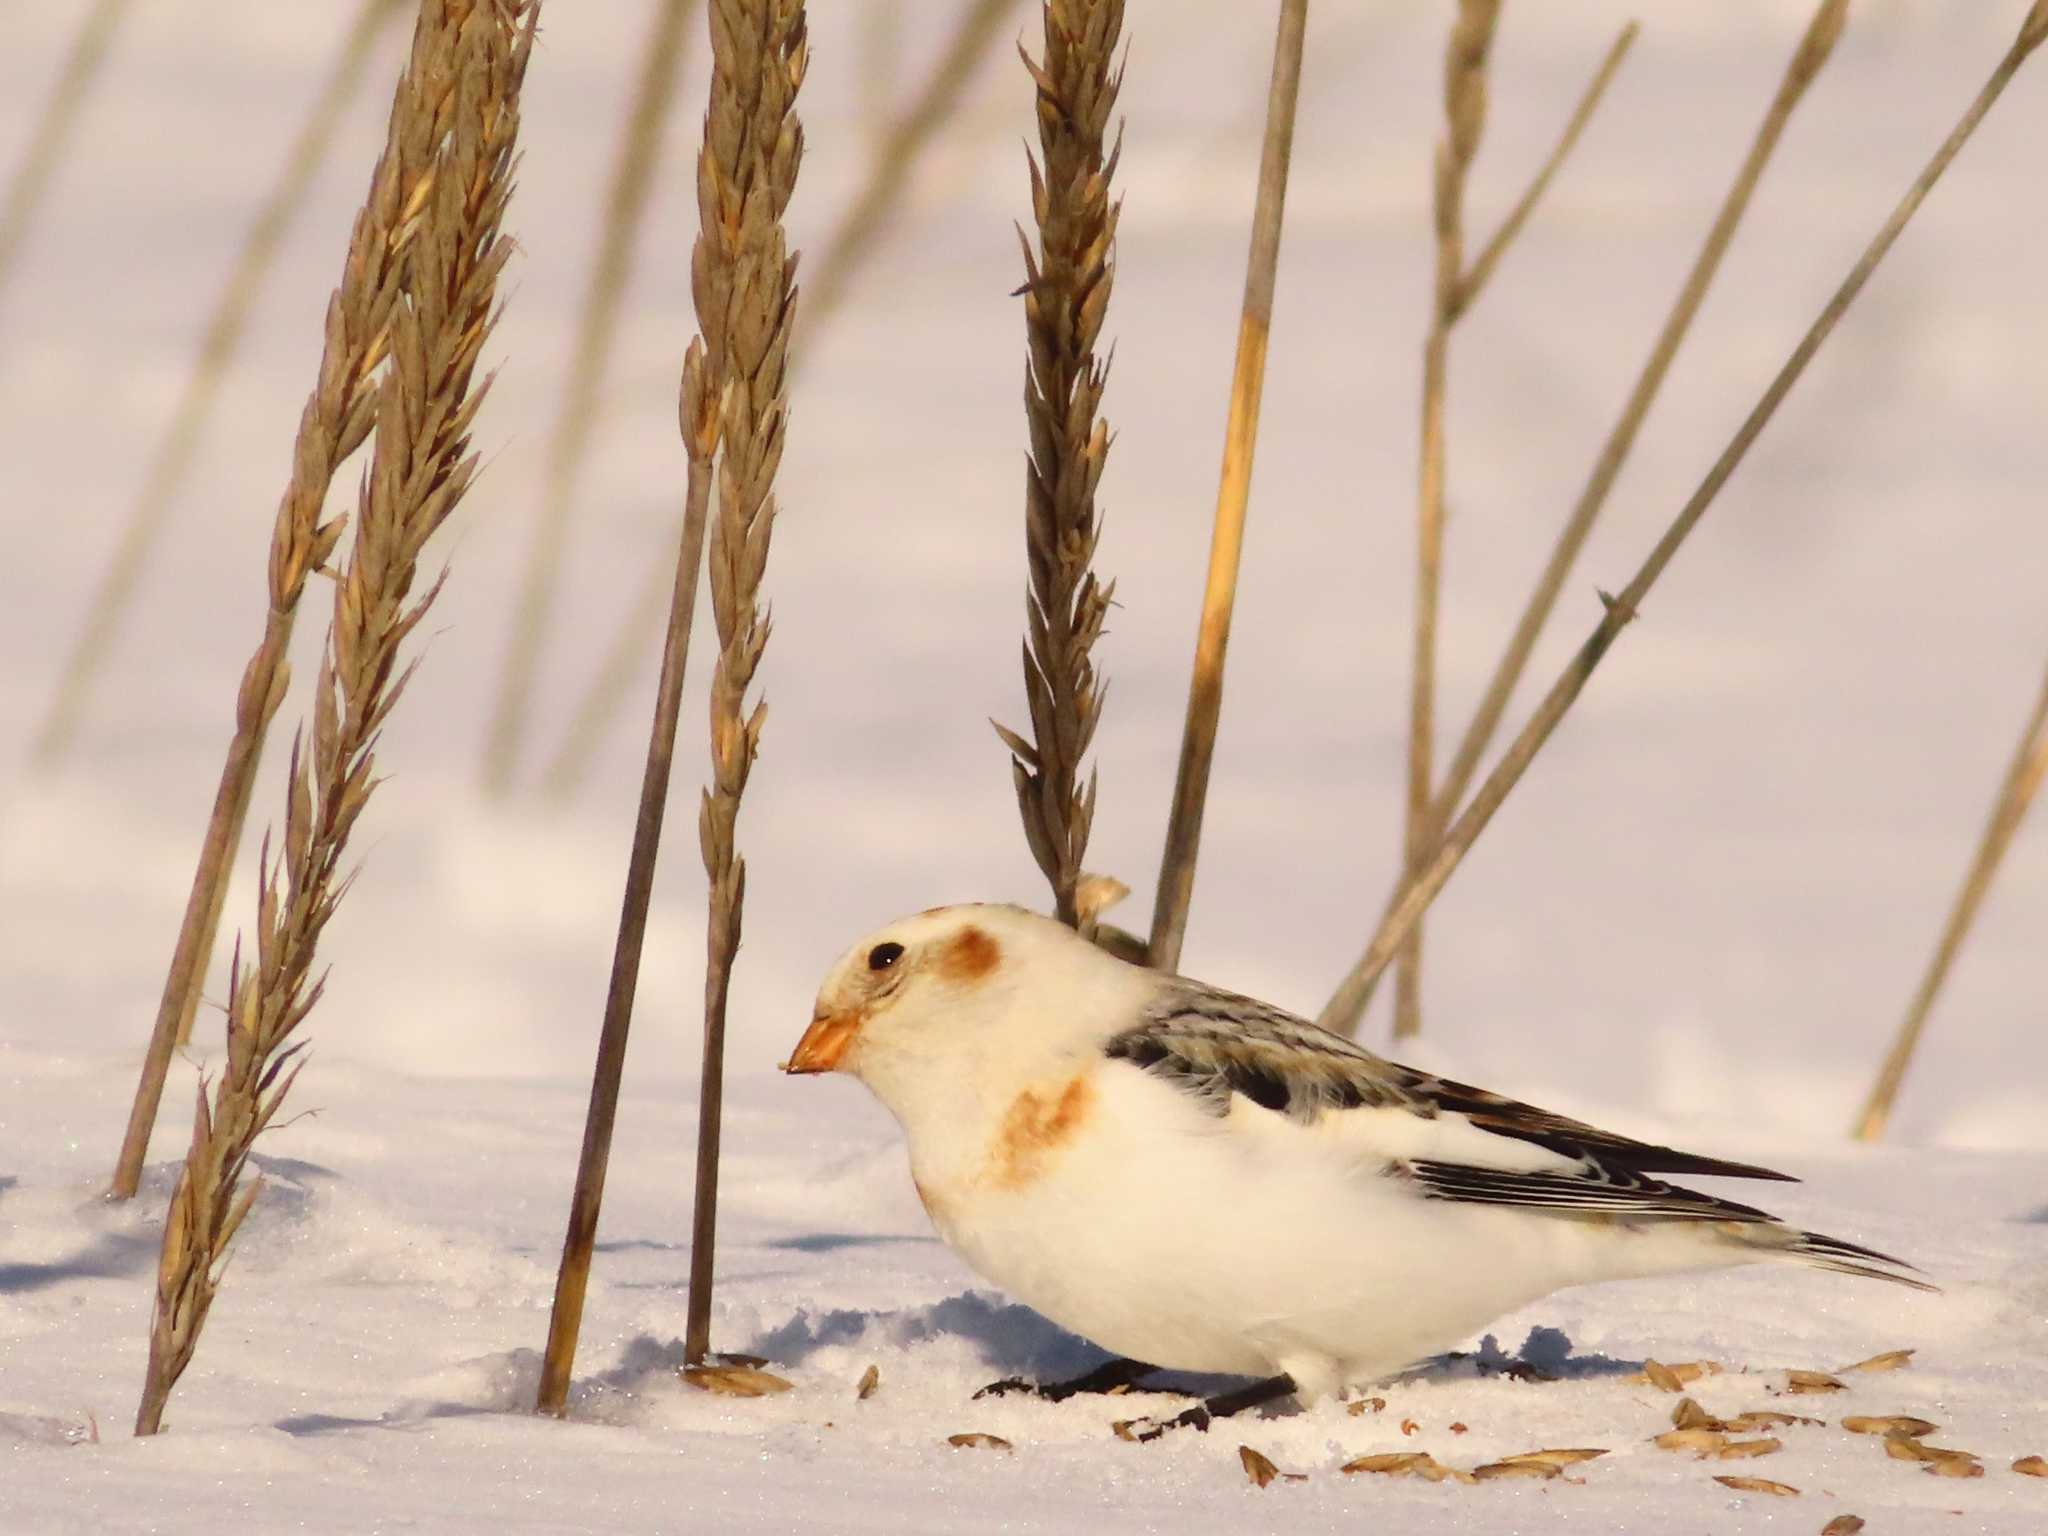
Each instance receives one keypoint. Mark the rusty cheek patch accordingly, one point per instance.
(971, 955)
(1034, 1128)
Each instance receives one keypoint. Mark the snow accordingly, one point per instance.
(1697, 919)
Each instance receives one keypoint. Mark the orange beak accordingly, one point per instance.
(824, 1043)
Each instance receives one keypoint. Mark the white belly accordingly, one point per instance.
(1175, 1239)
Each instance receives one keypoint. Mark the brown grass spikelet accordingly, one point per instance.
(743, 279)
(1066, 295)
(462, 95)
(1758, 1485)
(338, 416)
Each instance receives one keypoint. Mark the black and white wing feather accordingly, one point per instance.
(1449, 1140)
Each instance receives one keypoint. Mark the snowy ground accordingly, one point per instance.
(1697, 920)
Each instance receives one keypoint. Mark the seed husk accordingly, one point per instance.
(1702, 1442)
(1769, 1418)
(1673, 1378)
(975, 1440)
(1365, 1405)
(1955, 1464)
(1690, 1415)
(1742, 1450)
(1843, 1525)
(1890, 1360)
(1569, 1456)
(1391, 1463)
(1758, 1485)
(734, 1380)
(2031, 1466)
(870, 1379)
(1494, 1470)
(1798, 1382)
(1257, 1466)
(1888, 1424)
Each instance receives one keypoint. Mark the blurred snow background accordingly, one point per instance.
(1702, 911)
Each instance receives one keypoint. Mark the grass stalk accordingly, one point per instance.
(462, 89)
(847, 249)
(172, 459)
(1226, 543)
(633, 170)
(1481, 269)
(1346, 1002)
(733, 398)
(52, 132)
(337, 417)
(1813, 51)
(2016, 793)
(1471, 41)
(748, 273)
(1067, 282)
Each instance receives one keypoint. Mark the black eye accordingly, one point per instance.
(882, 956)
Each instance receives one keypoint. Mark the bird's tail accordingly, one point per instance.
(1819, 1251)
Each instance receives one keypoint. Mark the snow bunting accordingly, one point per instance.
(1203, 1182)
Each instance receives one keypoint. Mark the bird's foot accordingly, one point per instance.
(1222, 1406)
(1110, 1376)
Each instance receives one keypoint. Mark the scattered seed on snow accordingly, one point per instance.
(1890, 1360)
(734, 1380)
(1499, 1469)
(1888, 1424)
(1702, 1442)
(870, 1379)
(1804, 1382)
(975, 1440)
(1843, 1525)
(2031, 1466)
(1758, 1485)
(1742, 1450)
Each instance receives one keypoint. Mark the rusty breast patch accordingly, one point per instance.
(1034, 1129)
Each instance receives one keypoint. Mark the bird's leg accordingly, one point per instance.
(1106, 1377)
(1222, 1406)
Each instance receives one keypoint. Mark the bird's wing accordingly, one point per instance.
(1455, 1141)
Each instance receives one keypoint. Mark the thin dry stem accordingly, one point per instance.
(638, 158)
(462, 90)
(1226, 544)
(1476, 275)
(52, 132)
(733, 398)
(172, 459)
(337, 418)
(1346, 1002)
(1067, 282)
(2016, 793)
(1812, 52)
(1465, 58)
(849, 247)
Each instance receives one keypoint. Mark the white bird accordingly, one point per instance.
(1203, 1182)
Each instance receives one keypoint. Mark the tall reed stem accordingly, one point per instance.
(1813, 51)
(2016, 793)
(743, 283)
(461, 94)
(1233, 495)
(52, 131)
(336, 419)
(638, 158)
(1348, 999)
(1465, 117)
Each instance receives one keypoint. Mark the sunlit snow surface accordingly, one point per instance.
(1697, 919)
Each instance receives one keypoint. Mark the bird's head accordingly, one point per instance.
(944, 997)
